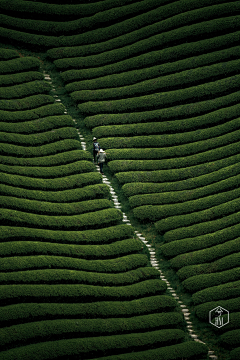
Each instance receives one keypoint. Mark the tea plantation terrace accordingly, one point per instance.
(158, 83)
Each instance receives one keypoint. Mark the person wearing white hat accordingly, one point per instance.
(96, 148)
(101, 159)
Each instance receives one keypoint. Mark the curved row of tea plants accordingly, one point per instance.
(73, 279)
(164, 105)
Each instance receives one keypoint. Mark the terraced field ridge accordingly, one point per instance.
(157, 82)
(74, 281)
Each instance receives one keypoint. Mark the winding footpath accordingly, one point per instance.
(151, 250)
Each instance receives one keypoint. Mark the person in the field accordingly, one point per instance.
(101, 159)
(96, 148)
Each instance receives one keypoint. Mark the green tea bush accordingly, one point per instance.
(203, 228)
(104, 309)
(204, 241)
(43, 150)
(235, 353)
(156, 212)
(26, 89)
(215, 117)
(77, 167)
(215, 257)
(162, 39)
(117, 166)
(72, 292)
(161, 19)
(130, 189)
(96, 219)
(187, 350)
(199, 282)
(123, 264)
(20, 78)
(212, 213)
(174, 175)
(127, 78)
(202, 310)
(170, 82)
(39, 139)
(204, 112)
(43, 330)
(164, 99)
(8, 54)
(36, 113)
(225, 291)
(184, 195)
(65, 196)
(87, 237)
(231, 338)
(205, 140)
(110, 9)
(66, 157)
(27, 103)
(44, 208)
(37, 125)
(64, 276)
(100, 345)
(20, 64)
(59, 184)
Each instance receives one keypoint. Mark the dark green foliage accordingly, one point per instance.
(235, 354)
(215, 257)
(19, 65)
(39, 138)
(215, 212)
(225, 291)
(59, 184)
(184, 195)
(173, 175)
(48, 208)
(202, 311)
(26, 103)
(165, 99)
(203, 228)
(212, 118)
(99, 236)
(23, 90)
(43, 150)
(100, 345)
(7, 54)
(90, 220)
(163, 83)
(123, 264)
(37, 126)
(199, 282)
(231, 338)
(134, 76)
(50, 160)
(204, 241)
(162, 39)
(77, 167)
(200, 113)
(109, 11)
(156, 212)
(65, 196)
(35, 113)
(117, 166)
(87, 293)
(19, 78)
(187, 350)
(64, 276)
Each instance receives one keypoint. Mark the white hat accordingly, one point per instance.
(101, 150)
(94, 138)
